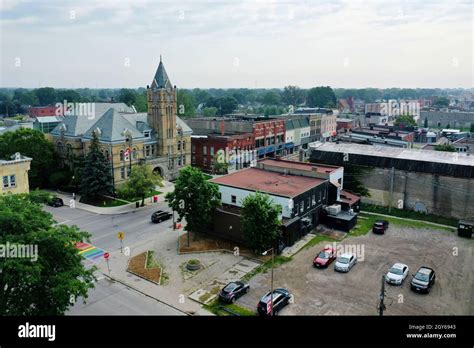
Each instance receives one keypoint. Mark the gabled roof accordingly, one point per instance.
(161, 79)
(112, 126)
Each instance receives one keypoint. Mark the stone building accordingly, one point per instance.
(158, 138)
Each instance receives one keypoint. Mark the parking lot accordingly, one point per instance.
(327, 292)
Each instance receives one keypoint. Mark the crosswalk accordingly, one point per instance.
(90, 252)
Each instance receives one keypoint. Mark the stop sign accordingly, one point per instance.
(106, 256)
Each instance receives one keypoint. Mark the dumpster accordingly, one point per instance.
(465, 228)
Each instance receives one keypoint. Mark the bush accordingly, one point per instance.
(38, 196)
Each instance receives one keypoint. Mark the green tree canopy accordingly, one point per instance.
(224, 105)
(51, 281)
(293, 95)
(141, 183)
(31, 143)
(194, 198)
(323, 97)
(186, 103)
(96, 176)
(405, 121)
(260, 221)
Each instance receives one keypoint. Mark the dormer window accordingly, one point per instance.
(146, 134)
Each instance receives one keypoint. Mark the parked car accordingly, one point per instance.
(380, 226)
(397, 274)
(324, 258)
(232, 291)
(345, 262)
(423, 280)
(55, 202)
(281, 298)
(160, 215)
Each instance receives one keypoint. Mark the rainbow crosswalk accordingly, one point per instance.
(90, 252)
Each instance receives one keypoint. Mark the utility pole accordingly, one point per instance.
(392, 178)
(382, 297)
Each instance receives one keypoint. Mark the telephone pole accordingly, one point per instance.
(381, 306)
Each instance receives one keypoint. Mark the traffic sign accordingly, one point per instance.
(106, 256)
(121, 235)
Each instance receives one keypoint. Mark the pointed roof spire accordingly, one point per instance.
(161, 79)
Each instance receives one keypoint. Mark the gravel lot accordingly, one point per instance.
(326, 292)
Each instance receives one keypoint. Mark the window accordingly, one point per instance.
(302, 207)
(122, 172)
(146, 134)
(9, 181)
(152, 150)
(60, 148)
(121, 155)
(129, 171)
(212, 150)
(204, 150)
(193, 148)
(147, 150)
(135, 153)
(314, 200)
(179, 145)
(184, 160)
(179, 161)
(184, 145)
(233, 199)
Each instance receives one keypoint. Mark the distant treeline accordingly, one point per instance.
(213, 101)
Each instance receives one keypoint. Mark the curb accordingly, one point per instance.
(144, 293)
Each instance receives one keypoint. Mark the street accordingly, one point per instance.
(112, 298)
(103, 228)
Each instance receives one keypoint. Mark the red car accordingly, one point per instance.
(324, 258)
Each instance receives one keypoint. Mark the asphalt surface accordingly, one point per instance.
(104, 228)
(108, 297)
(111, 298)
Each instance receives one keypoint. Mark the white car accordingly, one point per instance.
(397, 274)
(345, 262)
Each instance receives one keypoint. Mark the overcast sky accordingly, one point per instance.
(223, 44)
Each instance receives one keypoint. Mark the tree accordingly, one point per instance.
(96, 177)
(31, 143)
(186, 103)
(224, 105)
(441, 102)
(405, 121)
(219, 166)
(53, 277)
(471, 128)
(211, 111)
(140, 102)
(46, 95)
(142, 182)
(271, 98)
(260, 221)
(446, 148)
(127, 96)
(194, 198)
(425, 123)
(293, 95)
(321, 97)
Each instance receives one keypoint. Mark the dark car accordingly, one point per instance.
(281, 298)
(233, 291)
(380, 226)
(160, 215)
(324, 258)
(55, 202)
(423, 280)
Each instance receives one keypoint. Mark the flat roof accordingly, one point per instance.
(454, 158)
(319, 168)
(253, 179)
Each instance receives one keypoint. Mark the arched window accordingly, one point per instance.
(121, 155)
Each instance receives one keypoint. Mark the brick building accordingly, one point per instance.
(237, 150)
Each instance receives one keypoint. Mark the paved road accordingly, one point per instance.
(111, 298)
(103, 228)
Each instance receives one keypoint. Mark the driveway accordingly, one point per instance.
(326, 292)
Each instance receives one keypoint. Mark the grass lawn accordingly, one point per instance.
(207, 176)
(263, 268)
(104, 202)
(135, 199)
(217, 308)
(316, 240)
(409, 214)
(366, 221)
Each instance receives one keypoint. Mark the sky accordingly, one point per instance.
(237, 44)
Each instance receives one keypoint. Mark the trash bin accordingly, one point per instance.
(155, 198)
(137, 204)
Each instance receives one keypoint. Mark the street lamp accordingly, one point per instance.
(271, 286)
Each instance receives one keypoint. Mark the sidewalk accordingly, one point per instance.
(123, 209)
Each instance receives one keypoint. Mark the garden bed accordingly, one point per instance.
(145, 266)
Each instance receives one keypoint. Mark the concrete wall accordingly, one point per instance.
(440, 195)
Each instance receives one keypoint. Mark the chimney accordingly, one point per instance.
(222, 127)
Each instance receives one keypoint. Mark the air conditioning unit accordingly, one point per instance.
(334, 209)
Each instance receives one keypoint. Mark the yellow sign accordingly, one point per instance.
(121, 235)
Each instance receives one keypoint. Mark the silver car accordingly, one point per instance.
(345, 262)
(397, 274)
